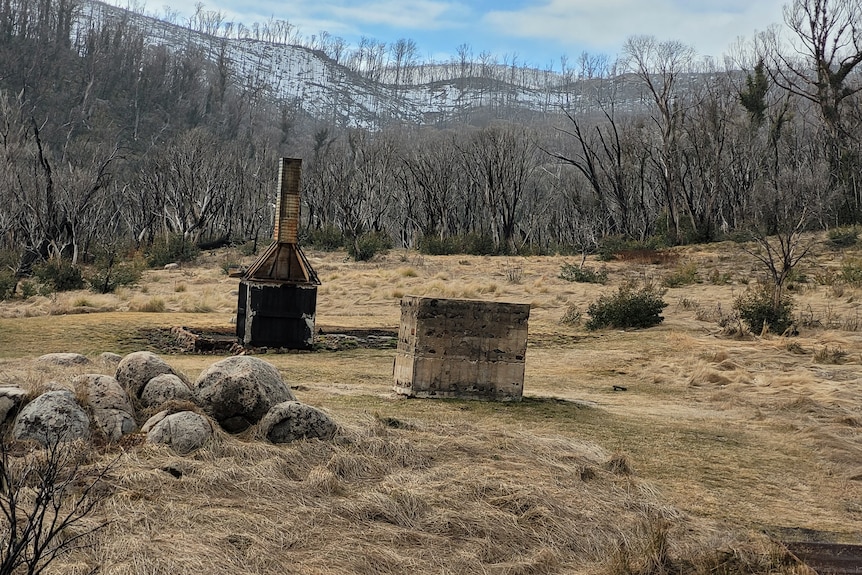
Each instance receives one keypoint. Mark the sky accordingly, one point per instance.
(536, 32)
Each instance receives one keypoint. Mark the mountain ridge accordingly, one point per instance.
(314, 83)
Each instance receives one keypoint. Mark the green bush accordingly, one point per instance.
(436, 246)
(757, 307)
(851, 272)
(7, 284)
(611, 246)
(248, 248)
(61, 275)
(368, 245)
(328, 238)
(718, 278)
(173, 248)
(573, 273)
(228, 264)
(28, 288)
(480, 245)
(109, 274)
(628, 307)
(683, 275)
(843, 237)
(472, 244)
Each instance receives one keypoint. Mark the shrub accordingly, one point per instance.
(843, 237)
(107, 280)
(832, 355)
(7, 284)
(436, 246)
(851, 272)
(473, 244)
(480, 245)
(825, 276)
(61, 275)
(514, 274)
(573, 273)
(531, 249)
(572, 315)
(173, 248)
(717, 278)
(757, 308)
(368, 245)
(628, 307)
(109, 274)
(28, 288)
(327, 238)
(609, 246)
(683, 275)
(229, 264)
(248, 248)
(153, 305)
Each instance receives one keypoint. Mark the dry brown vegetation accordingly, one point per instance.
(720, 443)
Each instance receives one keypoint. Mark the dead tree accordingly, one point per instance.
(47, 499)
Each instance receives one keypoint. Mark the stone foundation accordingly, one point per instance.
(461, 348)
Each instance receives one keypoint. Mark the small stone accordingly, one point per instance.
(109, 358)
(63, 359)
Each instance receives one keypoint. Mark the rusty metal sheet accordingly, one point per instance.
(827, 558)
(276, 315)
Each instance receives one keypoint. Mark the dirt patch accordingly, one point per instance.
(337, 339)
(221, 341)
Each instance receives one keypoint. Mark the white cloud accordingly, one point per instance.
(710, 27)
(339, 16)
(537, 30)
(415, 15)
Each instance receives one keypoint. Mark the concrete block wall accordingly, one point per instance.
(461, 348)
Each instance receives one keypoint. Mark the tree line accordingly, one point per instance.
(106, 141)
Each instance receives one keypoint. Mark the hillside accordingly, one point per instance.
(315, 84)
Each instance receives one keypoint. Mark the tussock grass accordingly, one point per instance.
(151, 305)
(707, 375)
(363, 503)
(672, 449)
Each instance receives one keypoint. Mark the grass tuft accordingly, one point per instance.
(152, 305)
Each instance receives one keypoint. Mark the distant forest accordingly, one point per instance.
(109, 143)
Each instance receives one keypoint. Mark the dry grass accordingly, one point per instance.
(715, 444)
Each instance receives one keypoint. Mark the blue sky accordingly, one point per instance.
(536, 31)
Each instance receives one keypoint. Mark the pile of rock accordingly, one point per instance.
(234, 394)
